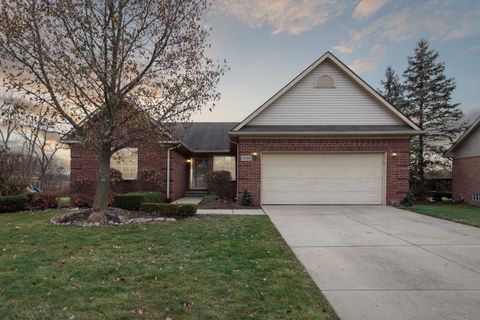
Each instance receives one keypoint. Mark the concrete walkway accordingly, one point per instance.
(377, 262)
(250, 212)
(188, 200)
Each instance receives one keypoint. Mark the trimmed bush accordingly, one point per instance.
(42, 201)
(246, 198)
(133, 200)
(219, 183)
(13, 203)
(170, 210)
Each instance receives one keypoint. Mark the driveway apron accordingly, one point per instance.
(379, 262)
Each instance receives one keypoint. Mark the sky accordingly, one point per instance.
(268, 42)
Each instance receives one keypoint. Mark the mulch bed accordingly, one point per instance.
(222, 204)
(114, 216)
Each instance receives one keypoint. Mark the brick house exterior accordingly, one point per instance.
(398, 168)
(330, 139)
(466, 165)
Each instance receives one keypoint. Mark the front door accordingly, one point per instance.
(198, 172)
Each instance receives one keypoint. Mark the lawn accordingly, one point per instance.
(459, 213)
(225, 267)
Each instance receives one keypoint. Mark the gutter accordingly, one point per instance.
(328, 133)
(168, 168)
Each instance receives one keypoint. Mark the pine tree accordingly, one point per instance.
(429, 104)
(392, 89)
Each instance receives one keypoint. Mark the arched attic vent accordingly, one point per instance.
(324, 81)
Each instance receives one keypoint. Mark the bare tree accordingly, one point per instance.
(114, 70)
(40, 140)
(10, 112)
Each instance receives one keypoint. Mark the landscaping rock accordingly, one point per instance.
(97, 218)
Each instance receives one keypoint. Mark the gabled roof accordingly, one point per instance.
(475, 125)
(410, 126)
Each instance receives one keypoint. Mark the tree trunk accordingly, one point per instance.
(420, 192)
(103, 181)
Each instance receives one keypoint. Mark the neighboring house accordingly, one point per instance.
(325, 138)
(466, 165)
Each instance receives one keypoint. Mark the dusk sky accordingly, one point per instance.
(268, 42)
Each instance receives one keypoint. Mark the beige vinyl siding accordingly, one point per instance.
(470, 147)
(347, 104)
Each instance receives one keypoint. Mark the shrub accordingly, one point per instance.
(13, 203)
(133, 200)
(115, 178)
(170, 210)
(149, 180)
(42, 201)
(82, 201)
(246, 198)
(210, 198)
(219, 183)
(409, 199)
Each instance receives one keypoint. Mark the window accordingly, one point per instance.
(225, 163)
(126, 161)
(324, 82)
(475, 196)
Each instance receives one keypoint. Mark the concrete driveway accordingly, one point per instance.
(378, 262)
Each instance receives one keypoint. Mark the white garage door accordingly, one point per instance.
(328, 178)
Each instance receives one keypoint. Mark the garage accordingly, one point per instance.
(323, 178)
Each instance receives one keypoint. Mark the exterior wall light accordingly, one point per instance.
(189, 160)
(394, 154)
(254, 154)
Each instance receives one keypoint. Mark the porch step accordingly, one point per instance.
(196, 193)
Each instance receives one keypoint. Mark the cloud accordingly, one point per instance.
(290, 16)
(366, 8)
(342, 48)
(435, 20)
(371, 63)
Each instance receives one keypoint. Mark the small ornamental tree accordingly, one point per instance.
(114, 71)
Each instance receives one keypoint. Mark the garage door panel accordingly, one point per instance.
(343, 178)
(318, 171)
(323, 198)
(323, 184)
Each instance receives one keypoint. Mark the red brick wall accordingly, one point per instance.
(398, 168)
(466, 178)
(179, 174)
(151, 156)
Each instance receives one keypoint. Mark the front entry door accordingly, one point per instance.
(198, 172)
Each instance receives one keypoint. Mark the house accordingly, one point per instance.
(466, 165)
(326, 137)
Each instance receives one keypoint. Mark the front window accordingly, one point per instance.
(225, 163)
(126, 161)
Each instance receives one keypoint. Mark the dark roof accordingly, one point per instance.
(328, 128)
(205, 136)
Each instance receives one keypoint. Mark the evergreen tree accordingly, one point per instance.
(392, 89)
(429, 104)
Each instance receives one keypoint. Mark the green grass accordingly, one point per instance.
(226, 267)
(63, 202)
(459, 213)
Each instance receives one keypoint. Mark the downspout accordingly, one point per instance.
(236, 164)
(168, 170)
